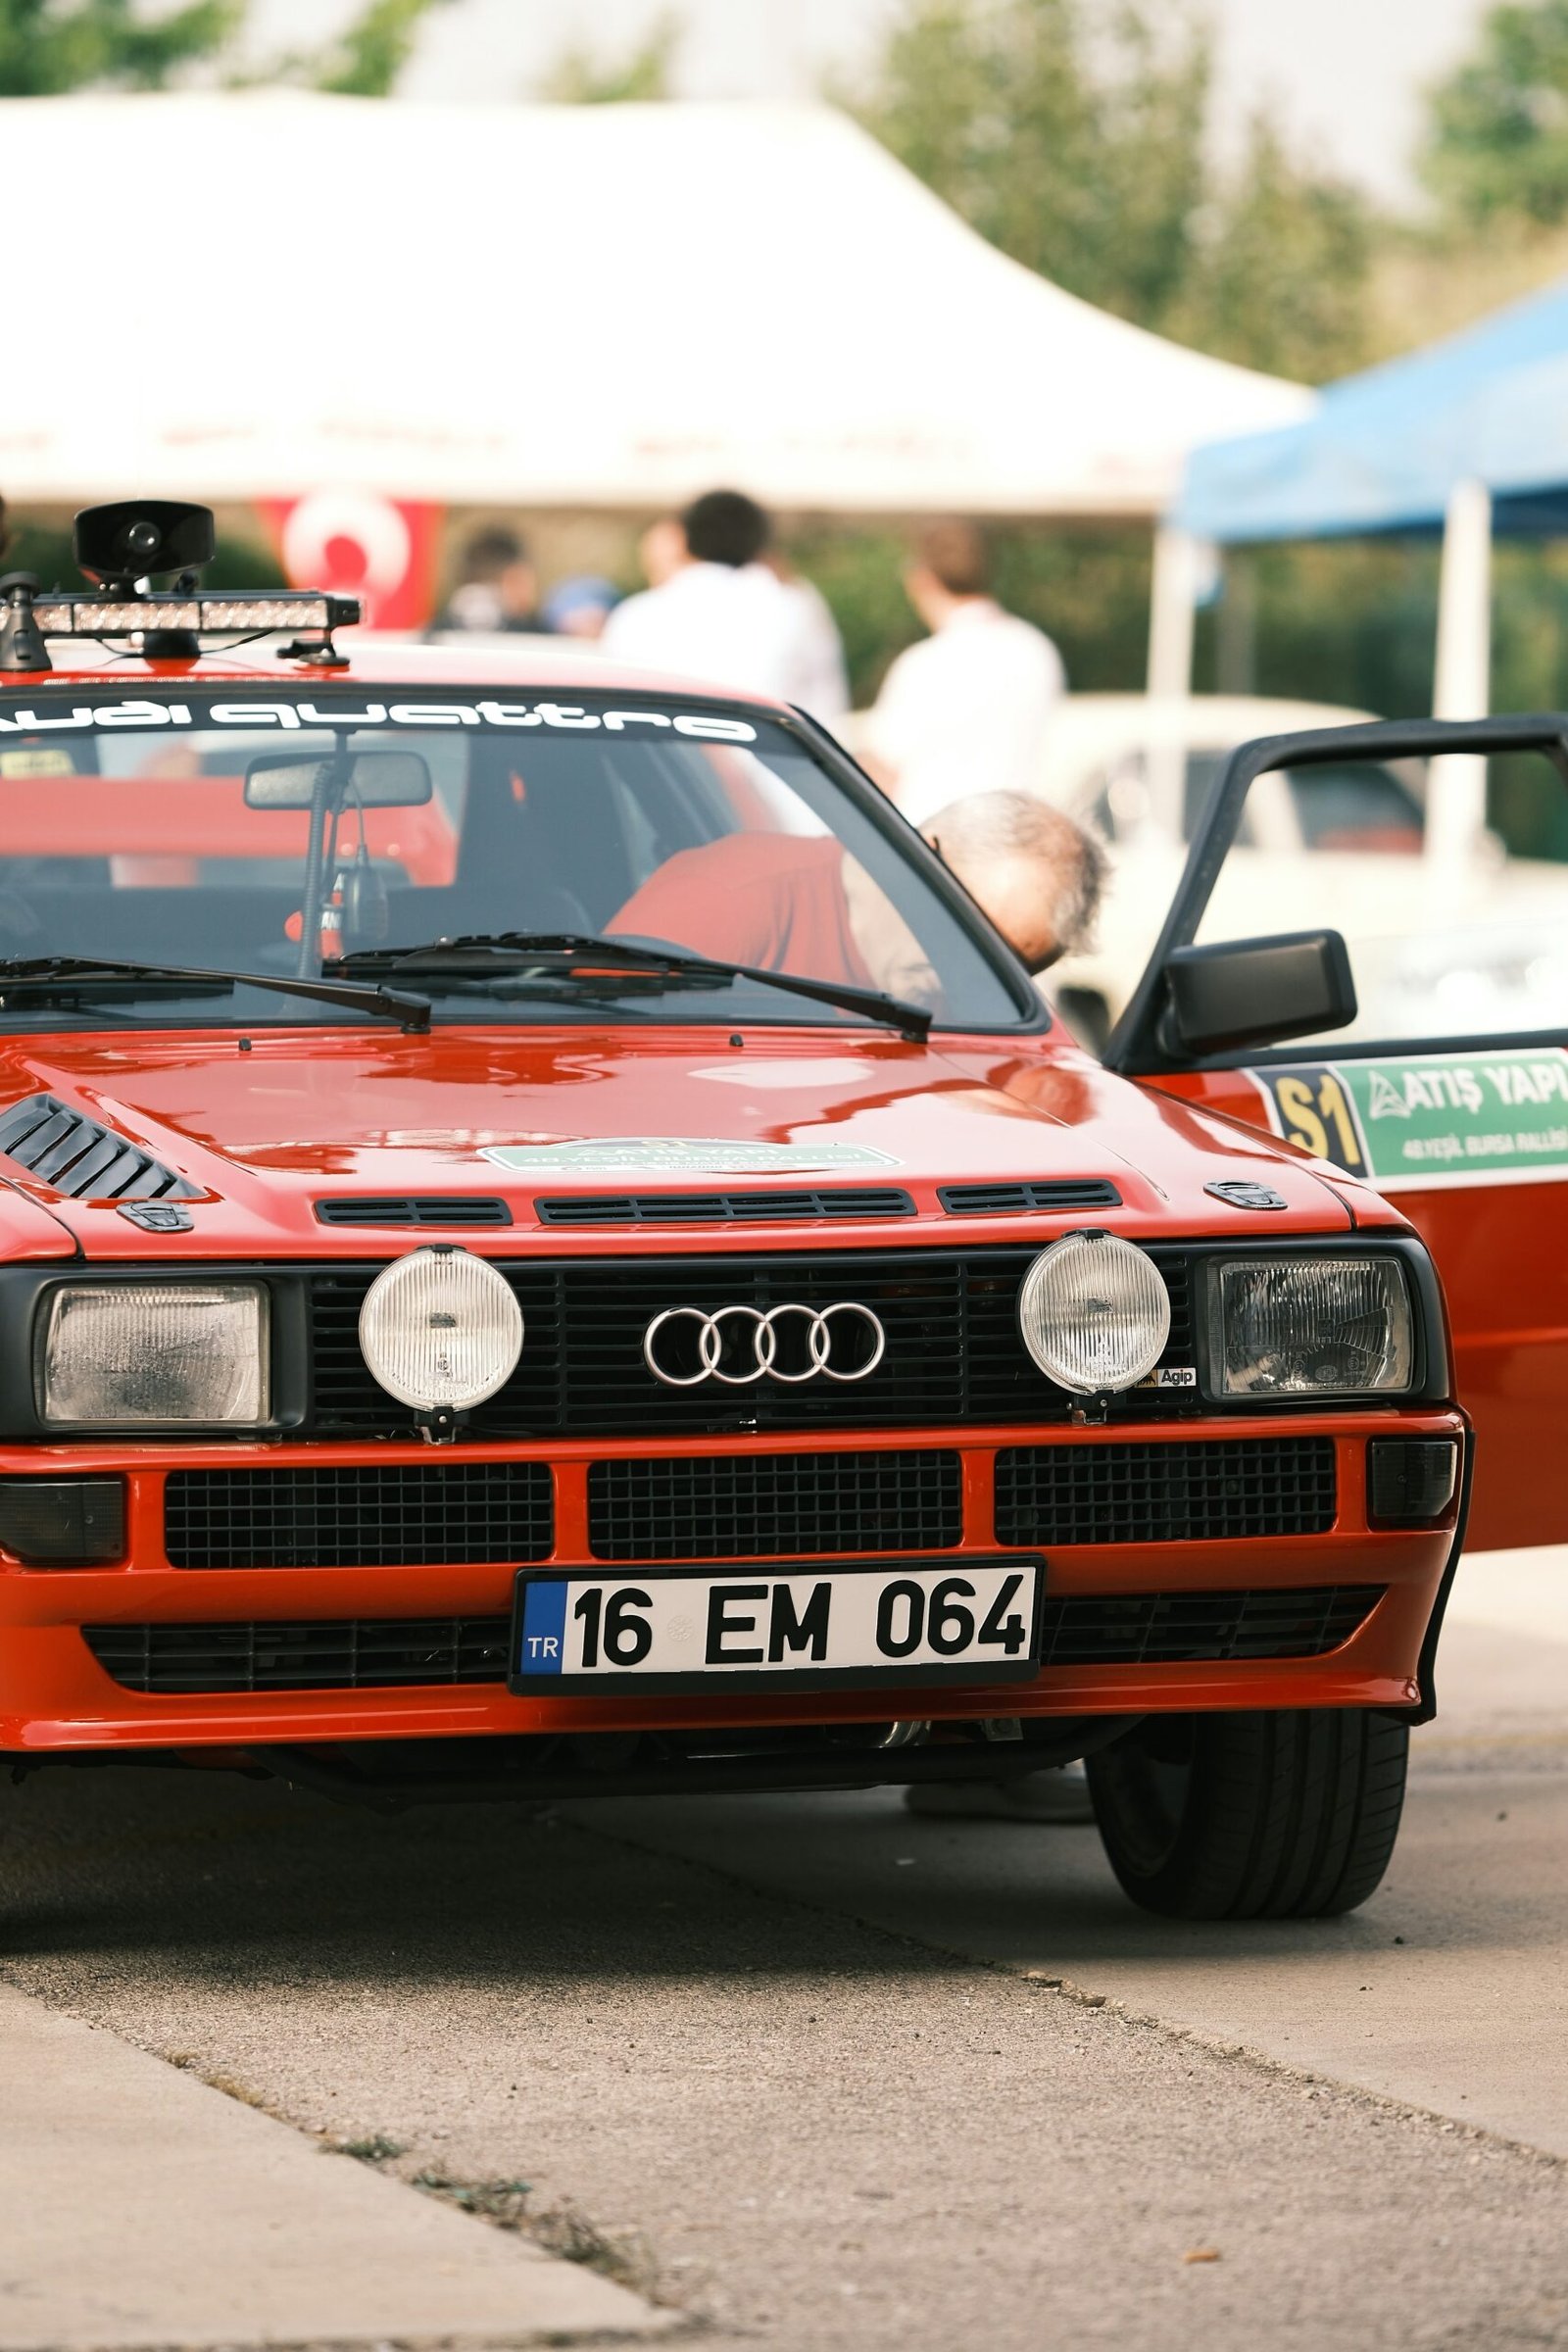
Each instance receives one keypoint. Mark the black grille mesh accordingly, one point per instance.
(1006, 1200)
(1165, 1493)
(952, 1357)
(372, 1654)
(1147, 1629)
(783, 1504)
(363, 1654)
(461, 1208)
(398, 1516)
(721, 1208)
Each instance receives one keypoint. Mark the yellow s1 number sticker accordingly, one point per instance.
(1313, 1109)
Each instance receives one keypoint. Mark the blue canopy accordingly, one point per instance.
(1382, 450)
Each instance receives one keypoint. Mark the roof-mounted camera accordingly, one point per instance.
(133, 541)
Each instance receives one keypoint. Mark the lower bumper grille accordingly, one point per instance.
(374, 1654)
(359, 1653)
(742, 1505)
(1151, 1629)
(398, 1516)
(1202, 1493)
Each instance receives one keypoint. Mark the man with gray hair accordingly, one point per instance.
(1037, 875)
(799, 903)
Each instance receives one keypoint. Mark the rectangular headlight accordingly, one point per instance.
(1312, 1325)
(124, 1353)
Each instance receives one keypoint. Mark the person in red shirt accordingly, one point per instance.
(799, 902)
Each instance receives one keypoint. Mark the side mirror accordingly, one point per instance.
(375, 779)
(1256, 992)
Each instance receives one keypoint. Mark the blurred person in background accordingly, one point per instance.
(725, 613)
(662, 550)
(498, 588)
(824, 680)
(580, 606)
(965, 710)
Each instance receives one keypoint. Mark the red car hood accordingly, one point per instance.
(269, 1128)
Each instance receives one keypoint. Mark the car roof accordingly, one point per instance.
(533, 664)
(1205, 721)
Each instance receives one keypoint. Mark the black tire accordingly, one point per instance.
(1270, 1816)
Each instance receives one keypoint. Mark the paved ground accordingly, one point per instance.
(158, 2210)
(780, 2061)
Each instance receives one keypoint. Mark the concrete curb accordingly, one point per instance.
(139, 2208)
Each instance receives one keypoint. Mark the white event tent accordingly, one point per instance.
(259, 294)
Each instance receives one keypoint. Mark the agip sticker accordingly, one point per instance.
(1494, 1116)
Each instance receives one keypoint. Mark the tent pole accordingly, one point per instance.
(1461, 686)
(1173, 609)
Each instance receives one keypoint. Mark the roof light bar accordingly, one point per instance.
(208, 615)
(121, 546)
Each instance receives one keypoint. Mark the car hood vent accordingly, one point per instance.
(1008, 1199)
(83, 1159)
(458, 1210)
(723, 1209)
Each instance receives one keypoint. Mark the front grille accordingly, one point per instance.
(461, 1210)
(400, 1516)
(373, 1654)
(1009, 1199)
(1165, 1494)
(1171, 1629)
(355, 1653)
(952, 1357)
(780, 1504)
(721, 1208)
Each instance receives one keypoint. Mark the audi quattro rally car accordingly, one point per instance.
(462, 1335)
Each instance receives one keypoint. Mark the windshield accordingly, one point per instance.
(277, 836)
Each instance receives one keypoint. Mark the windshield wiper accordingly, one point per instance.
(83, 973)
(477, 953)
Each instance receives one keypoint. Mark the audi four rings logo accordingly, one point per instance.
(750, 1337)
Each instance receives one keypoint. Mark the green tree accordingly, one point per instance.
(1497, 142)
(1074, 137)
(1281, 278)
(1075, 145)
(46, 49)
(368, 55)
(49, 47)
(579, 77)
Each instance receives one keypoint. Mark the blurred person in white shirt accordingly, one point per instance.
(724, 613)
(965, 710)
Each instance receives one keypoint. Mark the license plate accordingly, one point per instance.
(762, 1626)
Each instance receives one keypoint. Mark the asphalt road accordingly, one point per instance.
(796, 2066)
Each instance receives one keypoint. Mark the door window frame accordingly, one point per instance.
(1136, 1048)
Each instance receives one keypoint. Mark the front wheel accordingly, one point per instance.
(1267, 1816)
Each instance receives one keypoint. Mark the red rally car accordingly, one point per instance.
(470, 1333)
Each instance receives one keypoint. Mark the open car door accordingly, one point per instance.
(1425, 1001)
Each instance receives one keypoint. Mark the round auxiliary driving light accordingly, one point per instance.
(440, 1330)
(1094, 1313)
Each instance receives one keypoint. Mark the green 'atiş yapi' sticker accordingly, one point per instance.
(1488, 1117)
